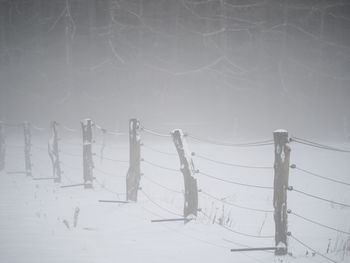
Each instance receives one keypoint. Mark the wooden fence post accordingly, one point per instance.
(54, 153)
(88, 165)
(188, 171)
(27, 148)
(133, 176)
(281, 169)
(2, 146)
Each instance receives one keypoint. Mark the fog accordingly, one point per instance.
(174, 131)
(237, 68)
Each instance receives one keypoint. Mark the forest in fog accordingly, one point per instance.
(225, 66)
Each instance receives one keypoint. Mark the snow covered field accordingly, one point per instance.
(37, 216)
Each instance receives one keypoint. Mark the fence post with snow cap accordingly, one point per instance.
(54, 153)
(281, 176)
(2, 146)
(88, 165)
(27, 148)
(188, 171)
(133, 176)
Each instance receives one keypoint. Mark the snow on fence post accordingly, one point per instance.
(188, 171)
(2, 146)
(88, 165)
(133, 176)
(54, 153)
(281, 169)
(27, 148)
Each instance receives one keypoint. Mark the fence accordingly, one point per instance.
(280, 170)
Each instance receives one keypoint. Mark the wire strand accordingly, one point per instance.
(229, 144)
(106, 131)
(236, 183)
(107, 173)
(161, 167)
(158, 205)
(318, 223)
(235, 205)
(237, 232)
(318, 197)
(319, 176)
(110, 159)
(318, 145)
(68, 129)
(155, 132)
(158, 151)
(162, 186)
(232, 164)
(108, 189)
(315, 251)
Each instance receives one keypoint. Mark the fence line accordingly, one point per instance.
(317, 197)
(318, 223)
(158, 151)
(237, 232)
(158, 205)
(110, 159)
(234, 182)
(219, 162)
(229, 144)
(162, 186)
(293, 166)
(107, 173)
(315, 251)
(317, 145)
(222, 200)
(160, 166)
(231, 164)
(155, 132)
(106, 131)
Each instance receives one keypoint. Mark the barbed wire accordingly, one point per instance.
(229, 144)
(231, 164)
(317, 145)
(234, 182)
(317, 223)
(293, 166)
(315, 251)
(160, 166)
(290, 188)
(222, 200)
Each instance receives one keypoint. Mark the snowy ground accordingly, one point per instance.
(35, 214)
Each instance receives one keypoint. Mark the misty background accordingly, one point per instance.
(216, 67)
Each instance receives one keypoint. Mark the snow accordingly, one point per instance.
(33, 212)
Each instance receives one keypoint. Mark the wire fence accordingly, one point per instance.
(204, 157)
